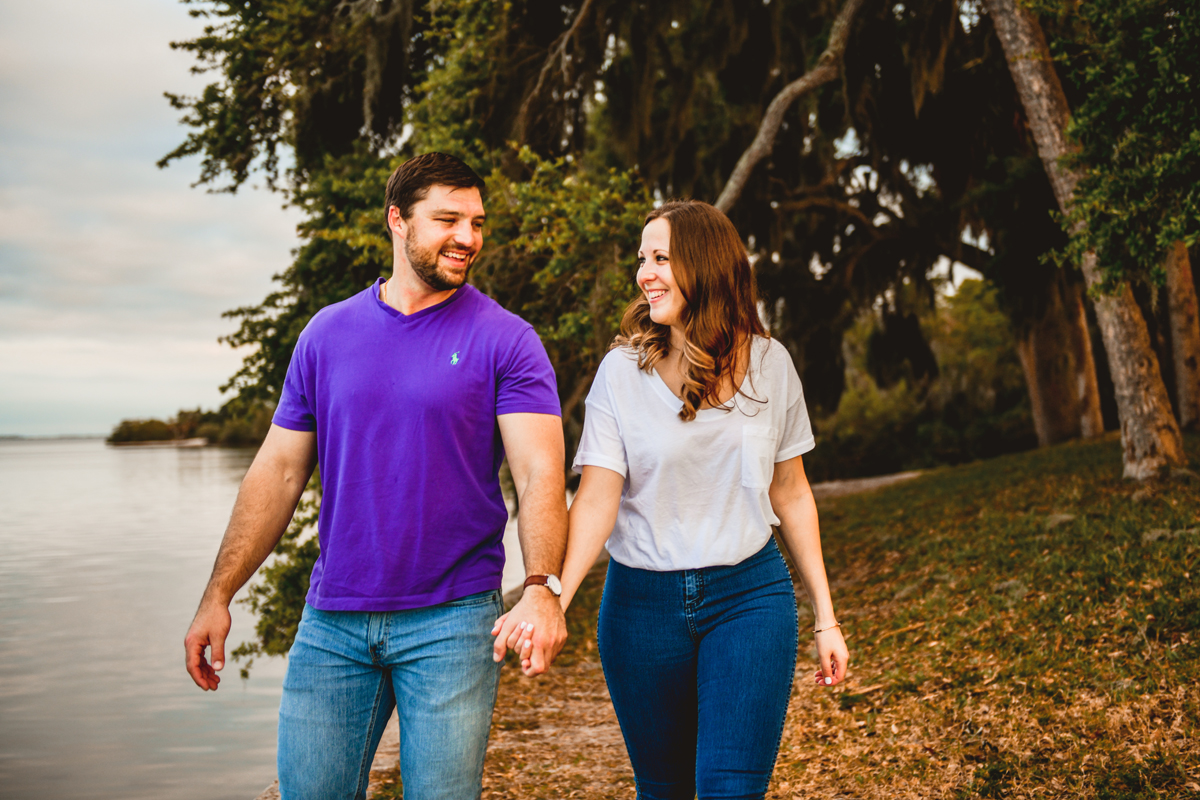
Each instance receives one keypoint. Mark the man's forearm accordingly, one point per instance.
(262, 512)
(542, 523)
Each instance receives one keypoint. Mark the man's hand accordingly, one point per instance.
(535, 630)
(209, 629)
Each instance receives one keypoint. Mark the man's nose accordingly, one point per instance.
(464, 234)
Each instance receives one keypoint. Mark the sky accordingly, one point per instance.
(114, 273)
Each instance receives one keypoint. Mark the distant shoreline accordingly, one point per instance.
(198, 441)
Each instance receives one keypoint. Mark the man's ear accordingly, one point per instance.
(396, 222)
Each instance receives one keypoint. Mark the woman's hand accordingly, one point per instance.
(520, 641)
(832, 657)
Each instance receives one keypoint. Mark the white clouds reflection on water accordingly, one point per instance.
(103, 555)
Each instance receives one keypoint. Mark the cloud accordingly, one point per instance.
(113, 274)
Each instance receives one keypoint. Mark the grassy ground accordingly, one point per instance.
(1026, 627)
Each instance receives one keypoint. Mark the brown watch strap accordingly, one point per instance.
(551, 582)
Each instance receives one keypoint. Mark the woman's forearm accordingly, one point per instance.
(801, 534)
(801, 531)
(590, 521)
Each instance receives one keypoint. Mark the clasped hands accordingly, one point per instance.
(534, 629)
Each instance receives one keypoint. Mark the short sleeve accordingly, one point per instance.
(601, 444)
(526, 383)
(797, 436)
(296, 410)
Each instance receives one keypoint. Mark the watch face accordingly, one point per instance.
(554, 584)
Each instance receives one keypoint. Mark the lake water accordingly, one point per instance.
(104, 553)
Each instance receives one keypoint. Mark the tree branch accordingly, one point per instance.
(967, 254)
(826, 202)
(558, 53)
(828, 67)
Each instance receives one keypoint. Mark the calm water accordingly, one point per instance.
(104, 553)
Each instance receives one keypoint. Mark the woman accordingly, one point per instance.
(690, 453)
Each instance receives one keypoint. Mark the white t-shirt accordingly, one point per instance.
(695, 492)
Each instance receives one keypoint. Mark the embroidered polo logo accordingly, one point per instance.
(454, 357)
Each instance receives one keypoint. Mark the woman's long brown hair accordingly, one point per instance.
(709, 263)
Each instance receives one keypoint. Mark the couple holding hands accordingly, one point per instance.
(411, 393)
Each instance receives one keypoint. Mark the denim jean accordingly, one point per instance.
(347, 670)
(699, 665)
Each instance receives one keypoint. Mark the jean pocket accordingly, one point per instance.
(758, 456)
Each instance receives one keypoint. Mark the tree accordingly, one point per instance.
(1137, 123)
(1149, 434)
(928, 86)
(1185, 335)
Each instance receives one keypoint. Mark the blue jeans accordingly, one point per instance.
(347, 670)
(699, 665)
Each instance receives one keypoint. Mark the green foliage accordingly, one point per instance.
(141, 430)
(344, 249)
(308, 78)
(561, 256)
(976, 406)
(233, 425)
(1137, 120)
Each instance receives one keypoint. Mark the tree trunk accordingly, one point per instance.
(1150, 437)
(1185, 335)
(1056, 355)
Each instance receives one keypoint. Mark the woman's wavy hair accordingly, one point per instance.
(709, 264)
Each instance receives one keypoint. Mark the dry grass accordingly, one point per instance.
(1024, 627)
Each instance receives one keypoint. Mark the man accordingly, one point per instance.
(409, 394)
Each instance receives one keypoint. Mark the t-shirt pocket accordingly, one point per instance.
(758, 455)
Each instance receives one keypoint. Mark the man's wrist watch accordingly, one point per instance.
(551, 582)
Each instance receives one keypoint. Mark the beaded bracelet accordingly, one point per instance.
(831, 627)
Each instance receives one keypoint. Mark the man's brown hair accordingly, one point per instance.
(411, 181)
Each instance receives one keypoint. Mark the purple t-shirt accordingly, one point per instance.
(405, 410)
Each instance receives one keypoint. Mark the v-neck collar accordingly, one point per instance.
(675, 403)
(416, 315)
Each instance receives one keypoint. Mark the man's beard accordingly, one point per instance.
(424, 262)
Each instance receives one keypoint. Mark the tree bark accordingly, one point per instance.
(1056, 356)
(828, 67)
(1150, 437)
(1185, 335)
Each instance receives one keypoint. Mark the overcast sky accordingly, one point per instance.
(113, 273)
